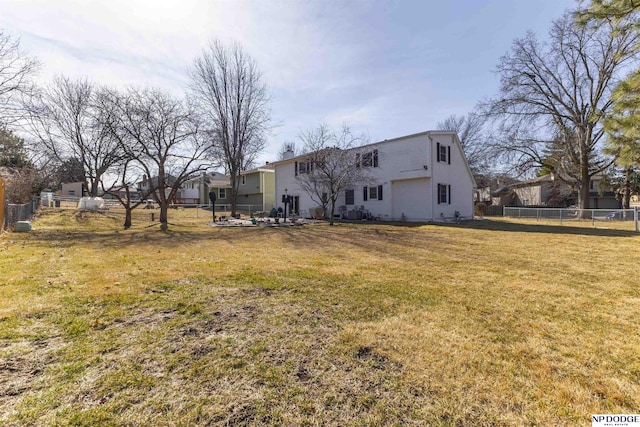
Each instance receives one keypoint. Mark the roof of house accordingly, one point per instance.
(264, 168)
(534, 181)
(425, 133)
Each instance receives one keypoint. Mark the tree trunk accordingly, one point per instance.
(127, 217)
(626, 188)
(164, 208)
(333, 209)
(585, 179)
(94, 188)
(234, 194)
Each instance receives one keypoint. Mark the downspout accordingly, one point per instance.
(431, 168)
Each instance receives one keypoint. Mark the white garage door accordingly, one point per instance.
(411, 197)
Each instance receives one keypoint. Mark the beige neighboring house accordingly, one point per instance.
(548, 190)
(71, 189)
(541, 191)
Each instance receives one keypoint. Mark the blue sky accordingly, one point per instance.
(385, 68)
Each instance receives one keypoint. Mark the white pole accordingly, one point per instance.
(635, 217)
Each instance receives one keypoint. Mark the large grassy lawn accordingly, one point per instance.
(474, 324)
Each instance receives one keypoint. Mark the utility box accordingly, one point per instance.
(23, 226)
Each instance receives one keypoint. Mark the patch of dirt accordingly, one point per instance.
(22, 365)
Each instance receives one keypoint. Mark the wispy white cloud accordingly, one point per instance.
(386, 68)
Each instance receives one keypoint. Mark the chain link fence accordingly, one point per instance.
(24, 212)
(595, 216)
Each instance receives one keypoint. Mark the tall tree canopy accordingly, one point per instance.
(16, 72)
(161, 135)
(470, 131)
(554, 97)
(228, 89)
(66, 121)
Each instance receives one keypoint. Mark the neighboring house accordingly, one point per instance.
(257, 189)
(483, 195)
(149, 183)
(419, 177)
(549, 190)
(196, 190)
(71, 189)
(546, 190)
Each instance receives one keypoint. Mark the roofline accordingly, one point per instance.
(423, 133)
(259, 169)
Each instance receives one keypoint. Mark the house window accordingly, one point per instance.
(444, 194)
(367, 159)
(222, 193)
(443, 153)
(244, 179)
(303, 167)
(349, 197)
(373, 193)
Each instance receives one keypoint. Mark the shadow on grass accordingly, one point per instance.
(493, 225)
(347, 233)
(587, 230)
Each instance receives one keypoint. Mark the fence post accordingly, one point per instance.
(635, 217)
(560, 216)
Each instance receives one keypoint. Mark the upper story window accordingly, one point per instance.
(443, 153)
(303, 167)
(367, 159)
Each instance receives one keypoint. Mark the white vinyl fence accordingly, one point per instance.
(573, 214)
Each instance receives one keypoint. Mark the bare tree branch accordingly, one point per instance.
(228, 89)
(554, 96)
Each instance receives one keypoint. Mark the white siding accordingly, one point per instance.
(411, 198)
(409, 173)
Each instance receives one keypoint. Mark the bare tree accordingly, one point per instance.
(66, 122)
(333, 164)
(227, 86)
(474, 141)
(161, 134)
(287, 150)
(16, 72)
(122, 188)
(554, 96)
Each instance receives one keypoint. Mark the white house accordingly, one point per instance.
(419, 177)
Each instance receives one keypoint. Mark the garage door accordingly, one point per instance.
(411, 197)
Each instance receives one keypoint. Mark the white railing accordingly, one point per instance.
(573, 214)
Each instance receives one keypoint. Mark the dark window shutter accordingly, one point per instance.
(379, 192)
(449, 194)
(438, 151)
(365, 195)
(438, 197)
(375, 158)
(296, 168)
(449, 154)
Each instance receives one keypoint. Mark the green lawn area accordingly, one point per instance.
(475, 324)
